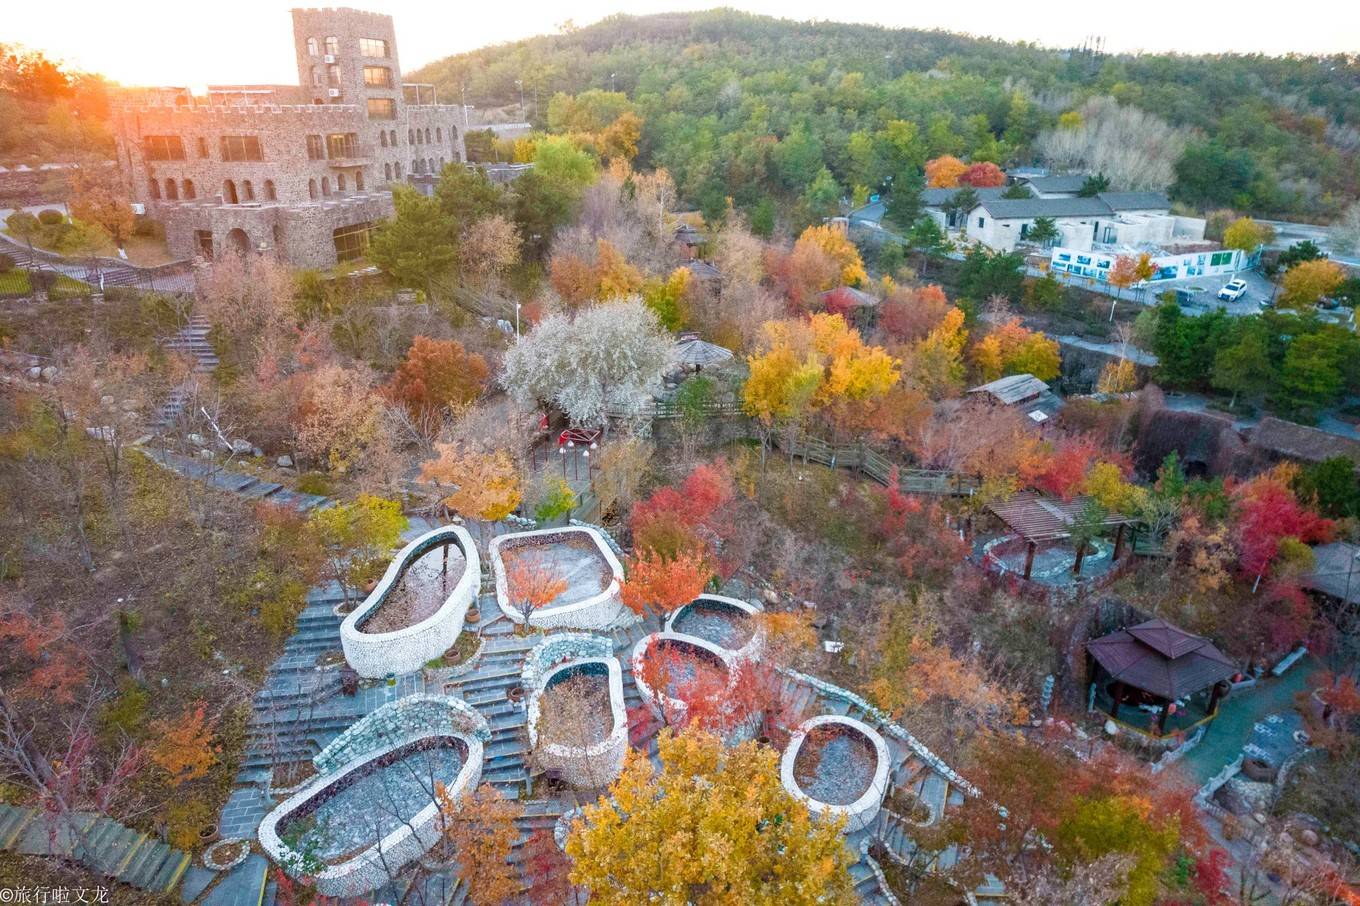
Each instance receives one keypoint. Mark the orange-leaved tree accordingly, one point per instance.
(657, 584)
(436, 376)
(481, 830)
(533, 585)
(486, 486)
(186, 748)
(943, 172)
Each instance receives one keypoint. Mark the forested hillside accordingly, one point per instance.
(754, 107)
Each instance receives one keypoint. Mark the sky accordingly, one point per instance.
(174, 42)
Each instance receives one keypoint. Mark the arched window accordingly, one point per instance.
(382, 137)
(439, 133)
(441, 163)
(189, 189)
(278, 236)
(333, 75)
(387, 172)
(171, 190)
(415, 167)
(427, 135)
(392, 138)
(318, 77)
(229, 192)
(397, 169)
(269, 193)
(247, 190)
(410, 136)
(313, 47)
(340, 182)
(311, 188)
(332, 45)
(358, 180)
(453, 133)
(155, 189)
(326, 186)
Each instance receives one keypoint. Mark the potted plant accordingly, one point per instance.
(207, 834)
(473, 615)
(515, 694)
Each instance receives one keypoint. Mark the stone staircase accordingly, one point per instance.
(99, 843)
(192, 341)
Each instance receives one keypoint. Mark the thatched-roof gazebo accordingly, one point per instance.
(1158, 666)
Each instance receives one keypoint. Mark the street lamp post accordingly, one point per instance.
(517, 305)
(562, 455)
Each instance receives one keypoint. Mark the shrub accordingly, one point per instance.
(279, 613)
(184, 818)
(315, 483)
(6, 264)
(558, 500)
(125, 715)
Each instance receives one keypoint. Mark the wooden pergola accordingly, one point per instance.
(1037, 518)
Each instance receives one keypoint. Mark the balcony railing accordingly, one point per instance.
(358, 154)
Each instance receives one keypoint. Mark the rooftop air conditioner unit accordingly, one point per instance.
(138, 208)
(334, 92)
(329, 58)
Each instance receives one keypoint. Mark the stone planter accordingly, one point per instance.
(590, 766)
(592, 607)
(398, 751)
(722, 613)
(226, 854)
(860, 813)
(404, 650)
(665, 706)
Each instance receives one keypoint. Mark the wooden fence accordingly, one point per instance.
(878, 467)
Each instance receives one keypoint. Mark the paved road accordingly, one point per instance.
(1286, 234)
(1193, 402)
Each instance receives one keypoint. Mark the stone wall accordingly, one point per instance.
(754, 646)
(559, 647)
(661, 704)
(405, 650)
(400, 721)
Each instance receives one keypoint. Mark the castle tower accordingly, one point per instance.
(348, 56)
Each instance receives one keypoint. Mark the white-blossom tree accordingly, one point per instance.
(609, 358)
(1134, 148)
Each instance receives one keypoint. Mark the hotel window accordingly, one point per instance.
(325, 186)
(333, 75)
(171, 190)
(318, 79)
(189, 189)
(358, 180)
(241, 147)
(247, 190)
(410, 136)
(155, 188)
(392, 138)
(387, 172)
(439, 133)
(427, 135)
(382, 109)
(342, 145)
(373, 47)
(311, 188)
(162, 147)
(313, 47)
(382, 137)
(205, 243)
(351, 241)
(340, 183)
(332, 45)
(202, 146)
(377, 77)
(316, 149)
(270, 193)
(981, 222)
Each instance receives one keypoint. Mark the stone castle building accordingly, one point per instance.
(298, 171)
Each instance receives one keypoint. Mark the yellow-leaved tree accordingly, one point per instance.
(484, 485)
(1012, 348)
(835, 242)
(713, 825)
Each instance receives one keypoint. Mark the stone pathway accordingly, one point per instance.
(101, 844)
(238, 483)
(1244, 710)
